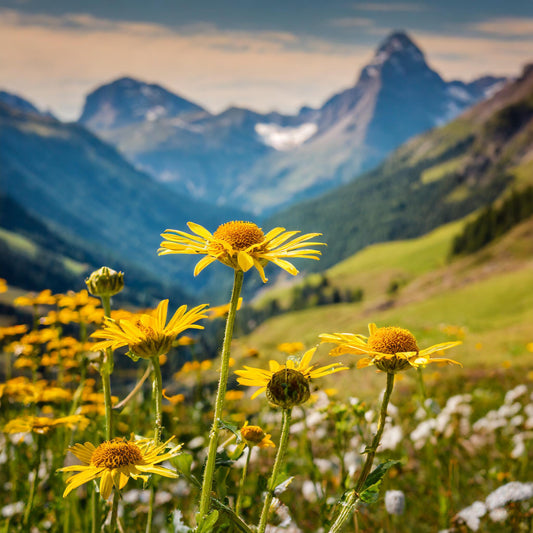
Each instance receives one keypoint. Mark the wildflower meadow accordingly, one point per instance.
(174, 441)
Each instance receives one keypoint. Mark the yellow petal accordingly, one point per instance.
(106, 484)
(245, 261)
(200, 230)
(205, 261)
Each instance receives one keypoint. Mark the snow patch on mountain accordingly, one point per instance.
(285, 138)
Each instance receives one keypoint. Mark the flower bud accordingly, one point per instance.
(105, 282)
(288, 388)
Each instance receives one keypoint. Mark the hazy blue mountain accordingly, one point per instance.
(17, 102)
(265, 161)
(128, 101)
(434, 178)
(396, 97)
(34, 257)
(84, 190)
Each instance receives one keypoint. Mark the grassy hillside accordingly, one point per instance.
(484, 299)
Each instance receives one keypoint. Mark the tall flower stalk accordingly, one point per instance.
(391, 350)
(285, 386)
(353, 498)
(209, 470)
(242, 246)
(276, 469)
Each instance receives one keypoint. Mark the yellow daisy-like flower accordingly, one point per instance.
(286, 385)
(115, 461)
(148, 335)
(255, 436)
(240, 245)
(42, 424)
(390, 349)
(3, 285)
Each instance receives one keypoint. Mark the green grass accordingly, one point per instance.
(489, 295)
(440, 171)
(19, 243)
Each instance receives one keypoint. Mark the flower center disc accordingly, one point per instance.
(239, 235)
(392, 340)
(117, 453)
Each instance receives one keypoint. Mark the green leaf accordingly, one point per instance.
(231, 427)
(223, 459)
(370, 492)
(377, 474)
(239, 450)
(282, 485)
(207, 524)
(183, 463)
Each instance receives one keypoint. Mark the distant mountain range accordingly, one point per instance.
(85, 193)
(435, 178)
(266, 161)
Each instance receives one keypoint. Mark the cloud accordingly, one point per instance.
(55, 61)
(510, 27)
(407, 7)
(351, 22)
(469, 57)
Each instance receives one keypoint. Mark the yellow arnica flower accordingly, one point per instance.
(390, 349)
(255, 436)
(148, 335)
(286, 385)
(240, 245)
(115, 461)
(42, 424)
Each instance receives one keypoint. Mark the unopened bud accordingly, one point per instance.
(105, 282)
(288, 388)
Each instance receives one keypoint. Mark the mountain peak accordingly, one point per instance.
(127, 100)
(400, 48)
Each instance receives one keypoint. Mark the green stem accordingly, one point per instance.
(243, 481)
(114, 512)
(353, 497)
(150, 510)
(33, 488)
(209, 470)
(95, 525)
(106, 384)
(157, 397)
(283, 442)
(105, 372)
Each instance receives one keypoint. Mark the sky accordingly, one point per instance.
(264, 55)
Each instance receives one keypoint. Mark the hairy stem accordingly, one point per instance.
(278, 463)
(209, 470)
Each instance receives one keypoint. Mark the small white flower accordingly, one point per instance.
(471, 515)
(12, 509)
(515, 393)
(499, 515)
(515, 491)
(395, 502)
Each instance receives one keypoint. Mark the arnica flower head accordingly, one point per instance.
(148, 335)
(255, 436)
(241, 246)
(286, 385)
(42, 424)
(115, 461)
(390, 349)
